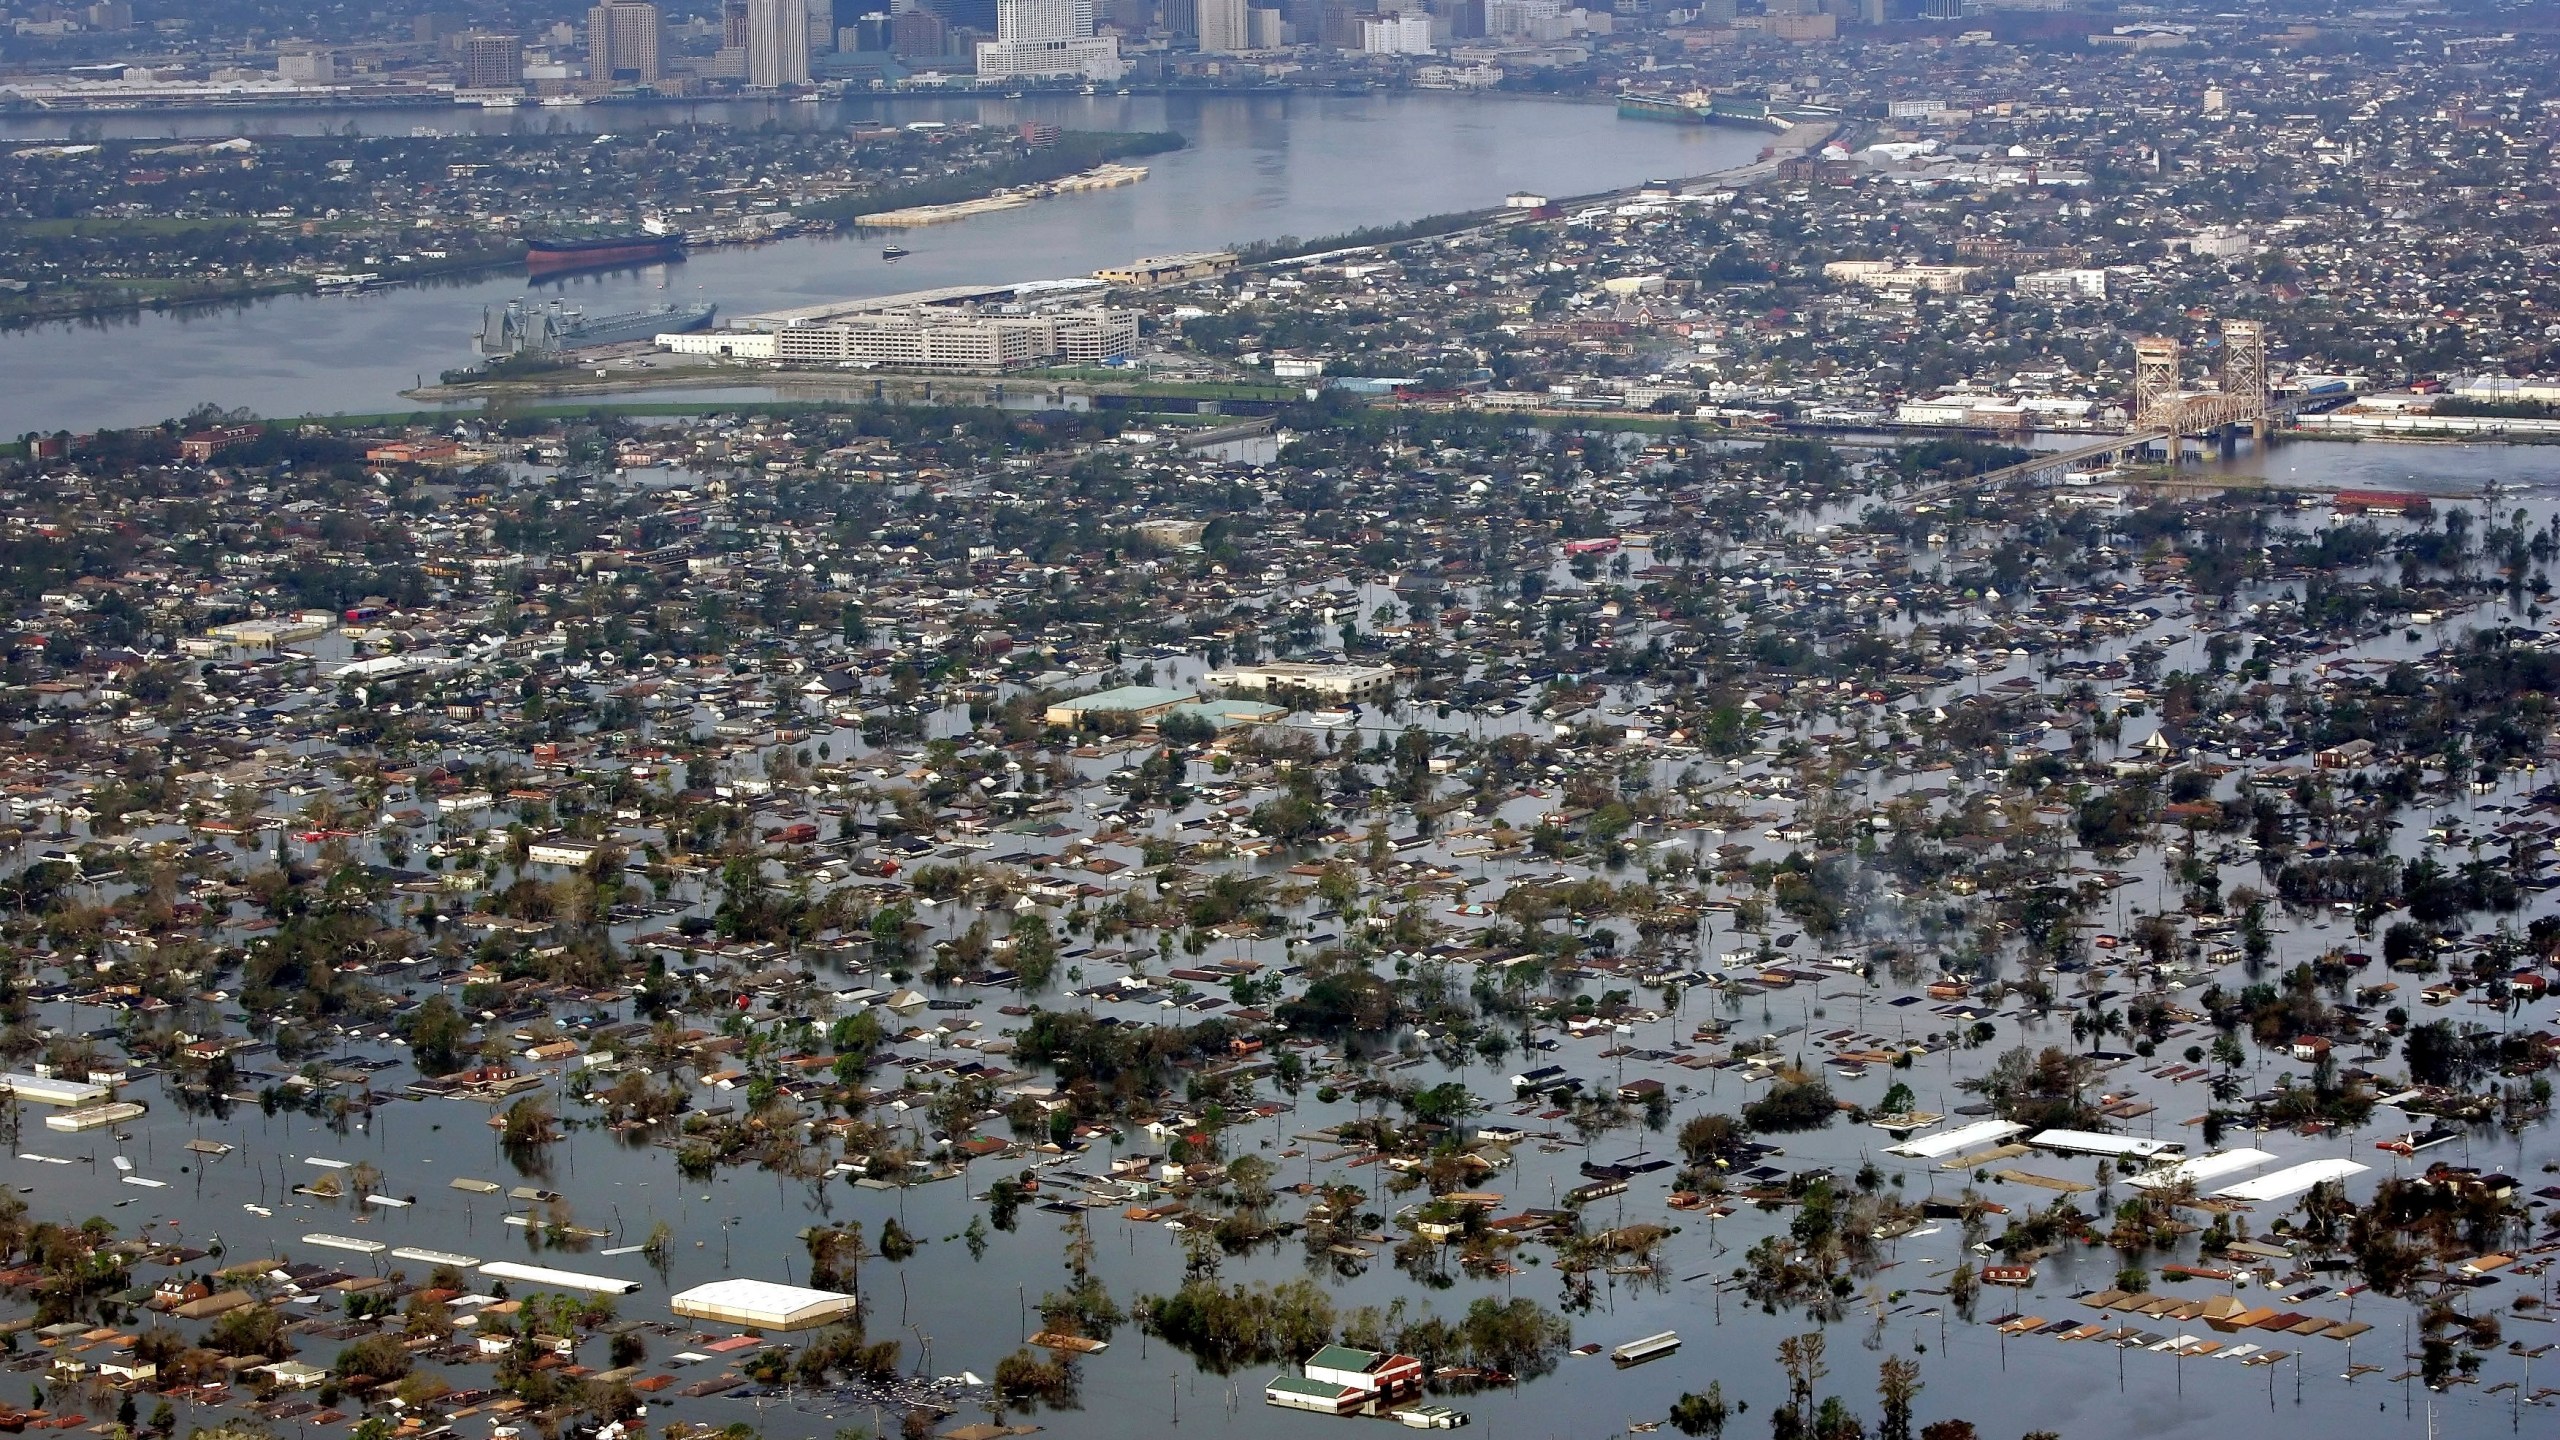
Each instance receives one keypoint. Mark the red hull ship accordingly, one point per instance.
(550, 257)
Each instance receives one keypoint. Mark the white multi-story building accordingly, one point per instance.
(2063, 284)
(934, 339)
(777, 43)
(1322, 682)
(1049, 37)
(1043, 19)
(1224, 27)
(1408, 33)
(1092, 57)
(1526, 20)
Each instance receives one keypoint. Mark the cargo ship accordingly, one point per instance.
(1693, 108)
(521, 329)
(550, 257)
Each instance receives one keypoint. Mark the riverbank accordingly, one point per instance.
(1071, 154)
(175, 296)
(113, 264)
(1107, 176)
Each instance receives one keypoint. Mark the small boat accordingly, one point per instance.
(894, 252)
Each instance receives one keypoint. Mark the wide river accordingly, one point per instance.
(1258, 166)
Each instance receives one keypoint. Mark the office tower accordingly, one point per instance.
(622, 42)
(822, 26)
(1338, 22)
(1222, 27)
(1043, 19)
(733, 24)
(868, 35)
(489, 61)
(1263, 29)
(919, 35)
(1049, 37)
(1181, 18)
(777, 43)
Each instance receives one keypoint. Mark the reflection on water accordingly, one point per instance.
(2385, 465)
(1257, 166)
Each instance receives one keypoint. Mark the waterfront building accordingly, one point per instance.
(932, 338)
(487, 60)
(1049, 37)
(1168, 269)
(1094, 57)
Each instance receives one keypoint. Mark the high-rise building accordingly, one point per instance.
(822, 26)
(1338, 23)
(733, 24)
(1222, 27)
(622, 42)
(1181, 18)
(487, 60)
(1049, 37)
(1406, 33)
(777, 43)
(1043, 19)
(919, 34)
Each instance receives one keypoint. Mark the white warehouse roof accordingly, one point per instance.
(762, 1303)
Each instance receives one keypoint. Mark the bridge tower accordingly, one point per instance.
(2156, 402)
(2244, 370)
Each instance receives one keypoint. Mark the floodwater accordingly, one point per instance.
(1258, 166)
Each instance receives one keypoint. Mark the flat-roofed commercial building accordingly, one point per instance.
(1141, 703)
(1168, 269)
(1356, 683)
(762, 1303)
(929, 338)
